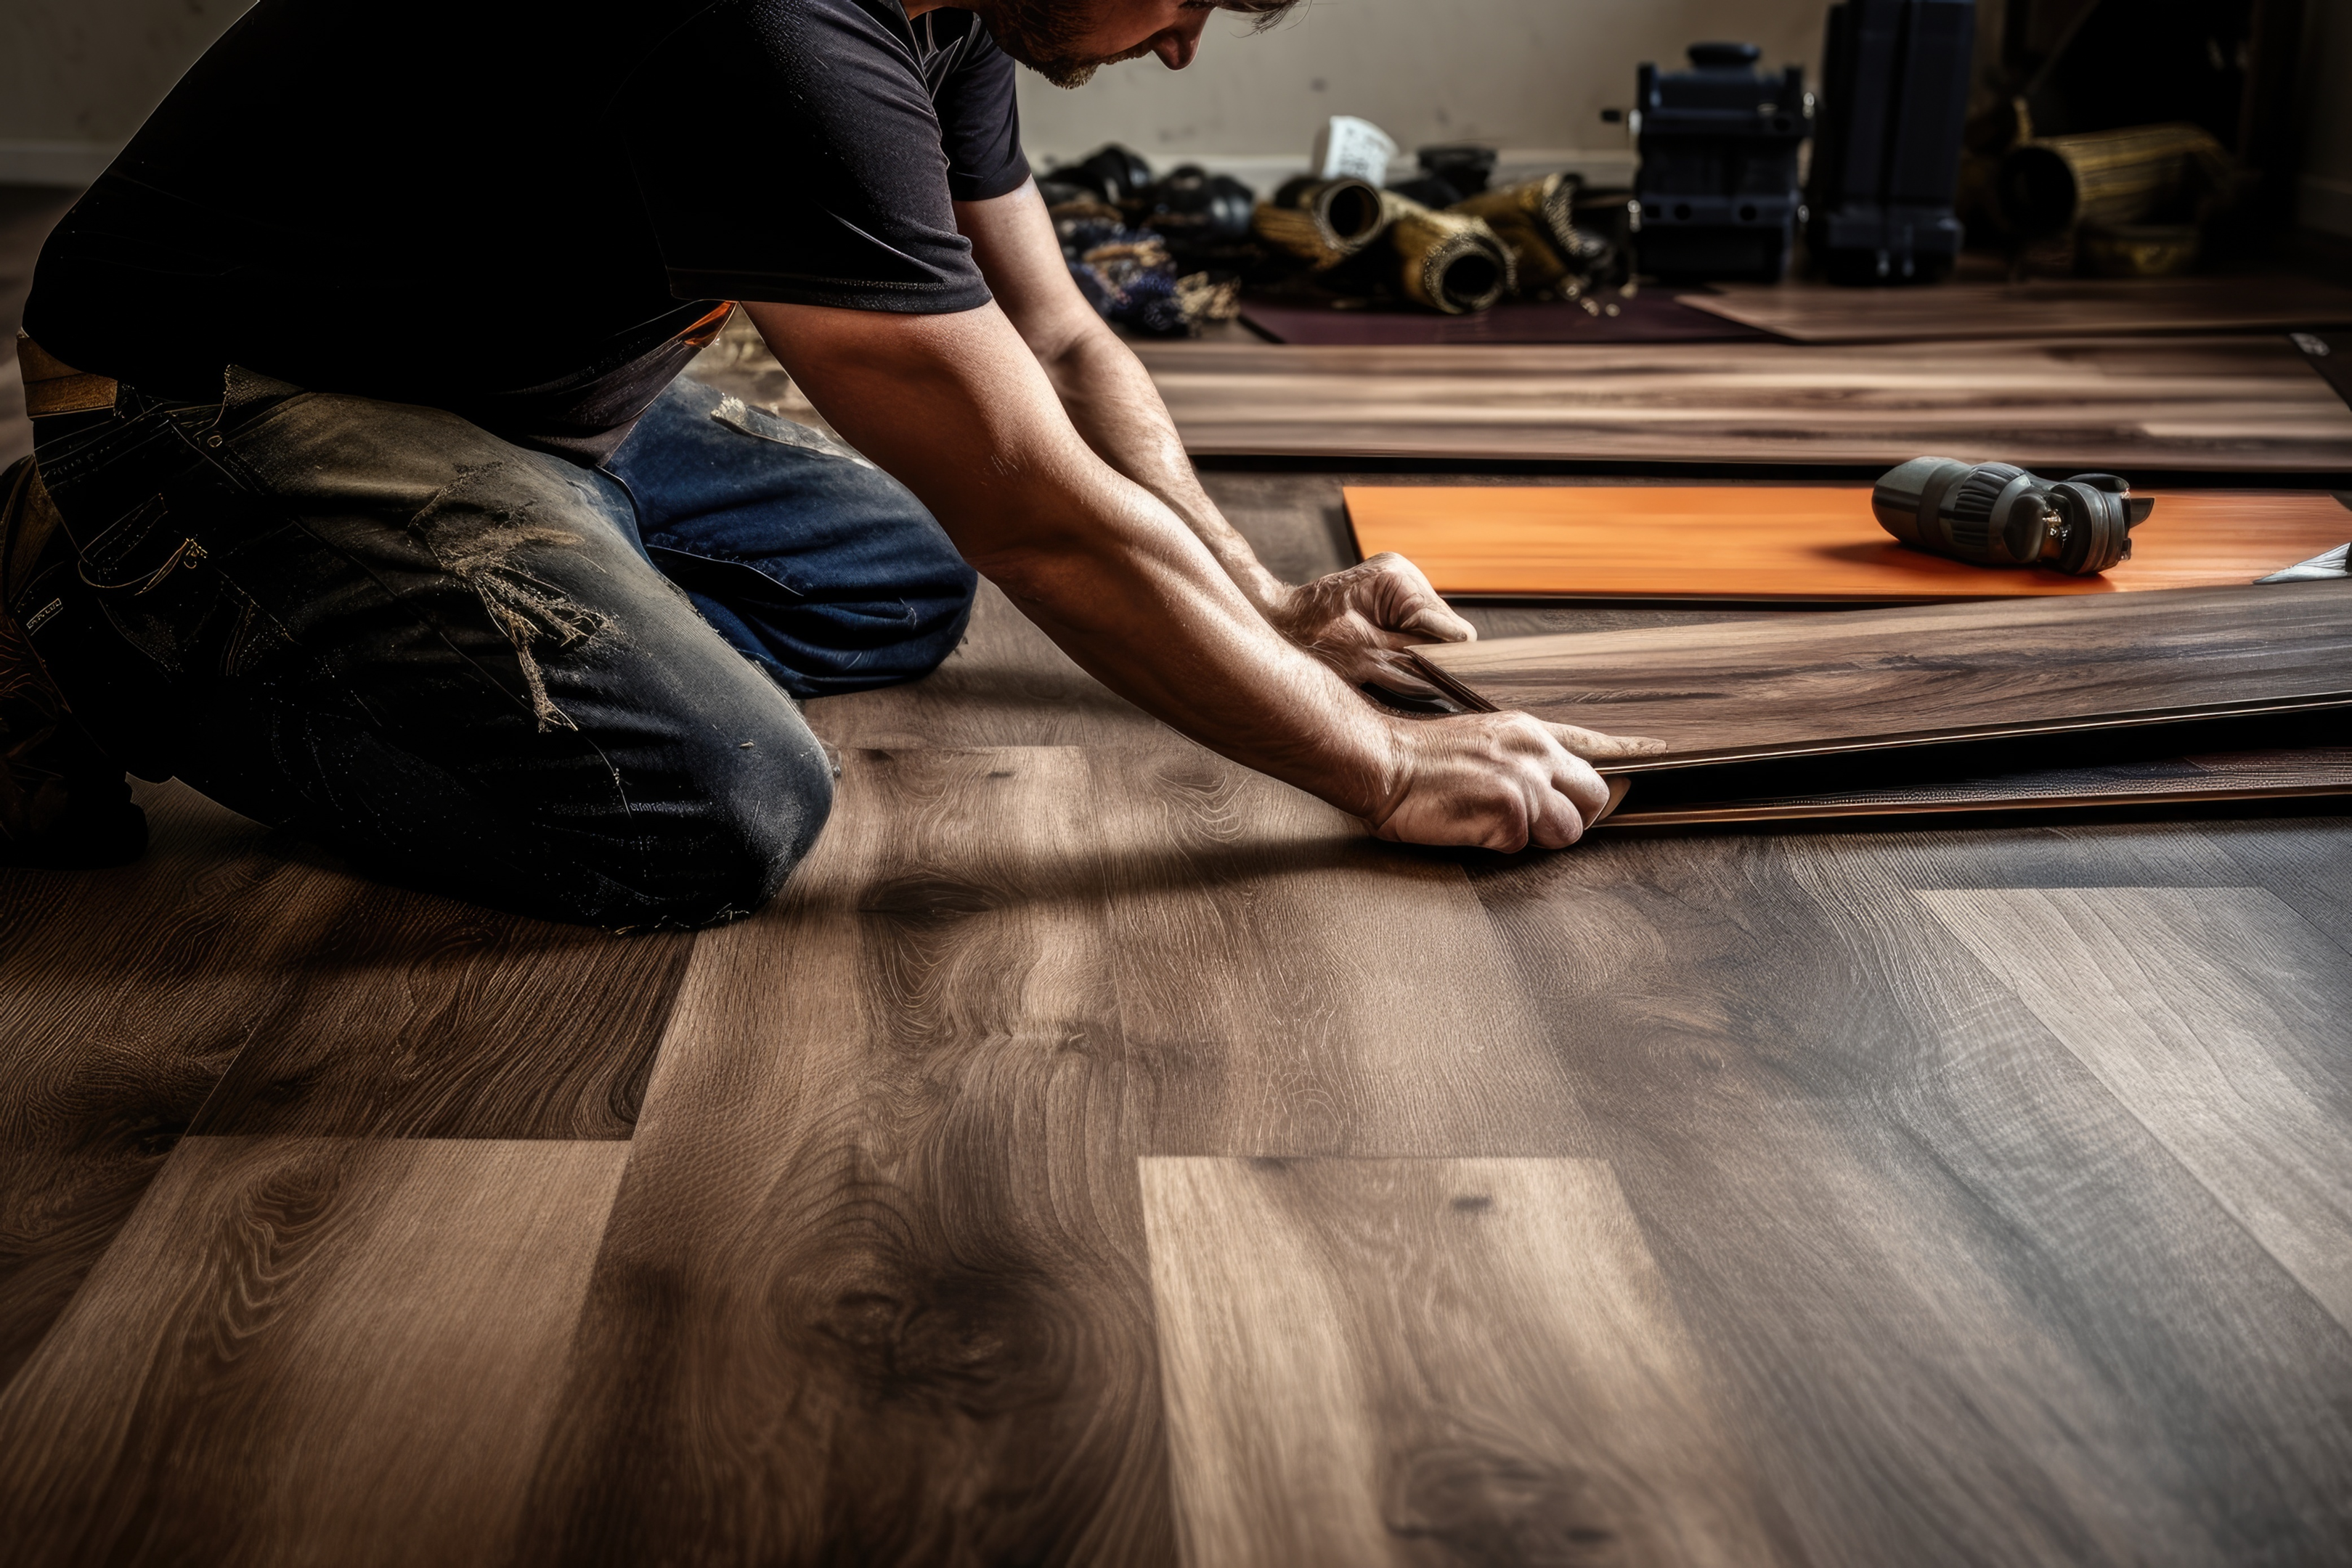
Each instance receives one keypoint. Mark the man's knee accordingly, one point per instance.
(746, 814)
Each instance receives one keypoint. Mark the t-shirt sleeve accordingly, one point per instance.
(979, 121)
(788, 151)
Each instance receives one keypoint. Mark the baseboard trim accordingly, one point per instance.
(68, 163)
(2322, 202)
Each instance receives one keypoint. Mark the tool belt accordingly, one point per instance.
(52, 386)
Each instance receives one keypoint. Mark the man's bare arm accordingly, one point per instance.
(961, 411)
(1356, 621)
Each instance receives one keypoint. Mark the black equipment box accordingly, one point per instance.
(1719, 179)
(1894, 84)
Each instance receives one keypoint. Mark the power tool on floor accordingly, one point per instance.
(1997, 514)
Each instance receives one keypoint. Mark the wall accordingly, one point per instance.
(2324, 195)
(1528, 75)
(77, 76)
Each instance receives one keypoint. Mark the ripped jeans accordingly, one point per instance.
(477, 669)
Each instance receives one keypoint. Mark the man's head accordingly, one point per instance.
(1065, 40)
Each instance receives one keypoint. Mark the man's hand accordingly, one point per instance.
(1360, 620)
(1488, 781)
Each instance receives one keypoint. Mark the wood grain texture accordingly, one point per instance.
(2307, 865)
(875, 1288)
(412, 1016)
(2037, 307)
(2219, 1017)
(1796, 543)
(1006, 685)
(1431, 1362)
(1968, 1310)
(235, 982)
(2232, 404)
(308, 1351)
(124, 996)
(872, 1292)
(1877, 678)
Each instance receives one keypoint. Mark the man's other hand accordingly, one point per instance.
(1496, 781)
(1360, 620)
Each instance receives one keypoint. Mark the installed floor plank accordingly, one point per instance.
(2036, 308)
(1288, 985)
(412, 1016)
(1007, 685)
(875, 1288)
(1971, 1311)
(2219, 1017)
(2249, 404)
(308, 1351)
(125, 993)
(873, 1291)
(1431, 1361)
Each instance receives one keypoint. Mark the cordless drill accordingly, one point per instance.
(1997, 514)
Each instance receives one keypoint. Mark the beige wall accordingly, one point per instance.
(2325, 198)
(78, 76)
(1520, 73)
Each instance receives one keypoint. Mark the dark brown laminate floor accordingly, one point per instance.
(2239, 403)
(1102, 1156)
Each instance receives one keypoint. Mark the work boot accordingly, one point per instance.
(63, 803)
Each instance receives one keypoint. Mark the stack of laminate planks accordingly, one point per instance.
(2205, 694)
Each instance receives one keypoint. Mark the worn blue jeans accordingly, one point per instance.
(474, 668)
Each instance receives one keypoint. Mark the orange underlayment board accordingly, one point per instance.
(1794, 542)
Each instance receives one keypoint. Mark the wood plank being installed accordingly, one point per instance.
(2240, 403)
(1875, 679)
(1965, 1308)
(1795, 543)
(2319, 773)
(1404, 1362)
(2218, 1017)
(875, 1288)
(2036, 308)
(310, 1351)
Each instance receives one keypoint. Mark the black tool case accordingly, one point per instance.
(1886, 160)
(1718, 178)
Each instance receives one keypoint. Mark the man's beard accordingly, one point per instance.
(1045, 36)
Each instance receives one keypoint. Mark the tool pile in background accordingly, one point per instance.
(2094, 144)
(1165, 254)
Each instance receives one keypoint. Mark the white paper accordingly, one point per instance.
(1348, 146)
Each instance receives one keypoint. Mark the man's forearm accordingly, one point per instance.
(1115, 406)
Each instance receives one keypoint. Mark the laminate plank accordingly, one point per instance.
(1797, 543)
(2308, 865)
(310, 1351)
(125, 993)
(2035, 308)
(872, 1292)
(2231, 405)
(412, 1016)
(875, 1289)
(1432, 1361)
(1290, 986)
(2217, 1017)
(1965, 1308)
(1006, 685)
(1879, 678)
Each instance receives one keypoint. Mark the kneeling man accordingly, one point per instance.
(369, 501)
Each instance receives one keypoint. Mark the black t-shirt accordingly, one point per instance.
(519, 209)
